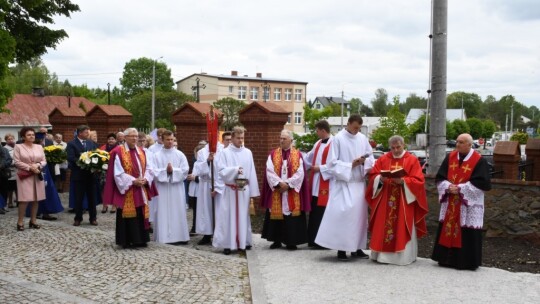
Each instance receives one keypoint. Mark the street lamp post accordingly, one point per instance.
(109, 93)
(154, 93)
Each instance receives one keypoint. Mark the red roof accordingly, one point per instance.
(202, 108)
(112, 110)
(31, 110)
(268, 107)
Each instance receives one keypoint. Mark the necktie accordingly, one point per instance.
(84, 144)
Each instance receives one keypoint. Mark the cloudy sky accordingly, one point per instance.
(352, 45)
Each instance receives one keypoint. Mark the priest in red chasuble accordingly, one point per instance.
(461, 181)
(286, 196)
(398, 206)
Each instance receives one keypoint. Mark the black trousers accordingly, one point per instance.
(85, 186)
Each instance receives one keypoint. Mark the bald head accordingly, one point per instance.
(464, 143)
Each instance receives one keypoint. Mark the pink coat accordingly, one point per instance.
(31, 188)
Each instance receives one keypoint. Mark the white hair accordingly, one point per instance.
(130, 130)
(287, 133)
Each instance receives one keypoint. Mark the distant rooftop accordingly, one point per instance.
(234, 76)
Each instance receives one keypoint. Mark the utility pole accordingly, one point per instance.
(109, 93)
(197, 88)
(512, 118)
(342, 100)
(462, 107)
(437, 130)
(154, 93)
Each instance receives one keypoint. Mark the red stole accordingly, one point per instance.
(451, 227)
(293, 163)
(324, 185)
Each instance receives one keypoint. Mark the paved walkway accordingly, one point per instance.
(64, 264)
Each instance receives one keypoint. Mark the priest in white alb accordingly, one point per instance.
(233, 224)
(171, 169)
(345, 222)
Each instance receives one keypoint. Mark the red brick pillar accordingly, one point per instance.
(532, 150)
(506, 157)
(65, 120)
(105, 119)
(263, 122)
(190, 122)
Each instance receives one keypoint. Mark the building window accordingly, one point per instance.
(318, 106)
(298, 94)
(297, 118)
(289, 118)
(242, 92)
(230, 89)
(266, 93)
(288, 94)
(254, 94)
(277, 94)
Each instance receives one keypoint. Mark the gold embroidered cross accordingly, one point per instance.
(466, 168)
(453, 166)
(396, 166)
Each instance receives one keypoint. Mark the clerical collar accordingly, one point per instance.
(325, 140)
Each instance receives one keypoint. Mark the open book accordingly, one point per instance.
(398, 173)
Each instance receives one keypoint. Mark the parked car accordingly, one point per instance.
(377, 154)
(421, 155)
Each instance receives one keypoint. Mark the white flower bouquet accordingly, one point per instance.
(94, 161)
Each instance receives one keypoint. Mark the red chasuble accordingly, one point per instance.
(457, 174)
(392, 219)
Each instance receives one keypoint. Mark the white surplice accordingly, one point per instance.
(233, 224)
(204, 222)
(345, 223)
(295, 181)
(170, 222)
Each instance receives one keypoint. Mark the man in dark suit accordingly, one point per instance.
(83, 179)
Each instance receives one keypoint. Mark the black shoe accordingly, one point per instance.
(226, 251)
(342, 256)
(248, 247)
(291, 247)
(71, 211)
(275, 245)
(2, 211)
(205, 240)
(360, 254)
(47, 217)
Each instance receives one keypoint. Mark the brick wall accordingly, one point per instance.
(264, 127)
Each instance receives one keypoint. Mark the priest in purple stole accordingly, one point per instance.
(129, 187)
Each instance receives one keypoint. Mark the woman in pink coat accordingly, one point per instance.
(29, 159)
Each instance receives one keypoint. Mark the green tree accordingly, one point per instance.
(137, 77)
(365, 110)
(355, 105)
(475, 126)
(419, 126)
(380, 102)
(140, 107)
(311, 117)
(488, 129)
(451, 132)
(520, 137)
(460, 127)
(335, 109)
(392, 124)
(230, 108)
(472, 103)
(24, 34)
(413, 101)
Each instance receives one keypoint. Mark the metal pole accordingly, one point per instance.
(109, 93)
(437, 130)
(512, 118)
(342, 100)
(462, 107)
(153, 95)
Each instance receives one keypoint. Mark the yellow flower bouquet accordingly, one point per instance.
(55, 155)
(95, 160)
